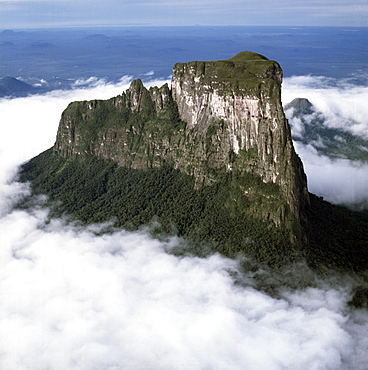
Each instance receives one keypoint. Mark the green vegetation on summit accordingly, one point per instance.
(243, 72)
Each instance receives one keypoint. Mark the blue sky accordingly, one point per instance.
(60, 13)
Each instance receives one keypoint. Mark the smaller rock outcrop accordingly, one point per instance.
(138, 129)
(300, 106)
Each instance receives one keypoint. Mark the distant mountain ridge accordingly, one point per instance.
(10, 86)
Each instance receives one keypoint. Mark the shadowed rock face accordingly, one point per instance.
(218, 115)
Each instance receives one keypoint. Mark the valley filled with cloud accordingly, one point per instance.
(342, 104)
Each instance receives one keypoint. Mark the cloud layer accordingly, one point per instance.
(341, 101)
(73, 297)
(343, 104)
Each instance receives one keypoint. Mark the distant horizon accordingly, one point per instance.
(136, 50)
(86, 27)
(20, 14)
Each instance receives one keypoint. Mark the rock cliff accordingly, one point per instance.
(218, 116)
(238, 101)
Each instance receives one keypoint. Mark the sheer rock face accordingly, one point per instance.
(217, 115)
(239, 100)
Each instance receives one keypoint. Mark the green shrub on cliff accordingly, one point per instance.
(96, 190)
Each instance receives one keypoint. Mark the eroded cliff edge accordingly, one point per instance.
(218, 117)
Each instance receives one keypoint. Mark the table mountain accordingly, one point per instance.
(209, 157)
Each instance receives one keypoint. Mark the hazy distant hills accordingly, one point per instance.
(7, 44)
(43, 45)
(10, 86)
(309, 128)
(60, 56)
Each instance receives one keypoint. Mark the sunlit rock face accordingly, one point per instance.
(237, 104)
(220, 115)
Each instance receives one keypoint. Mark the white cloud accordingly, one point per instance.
(339, 181)
(90, 82)
(296, 123)
(150, 73)
(77, 300)
(342, 103)
(343, 106)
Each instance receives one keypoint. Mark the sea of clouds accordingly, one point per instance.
(344, 106)
(74, 297)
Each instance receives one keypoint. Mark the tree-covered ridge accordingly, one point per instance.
(98, 190)
(211, 218)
